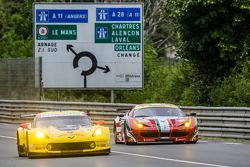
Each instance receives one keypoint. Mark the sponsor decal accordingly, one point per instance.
(118, 129)
(149, 140)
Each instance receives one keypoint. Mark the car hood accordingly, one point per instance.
(162, 121)
(59, 132)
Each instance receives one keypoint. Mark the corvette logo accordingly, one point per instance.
(71, 137)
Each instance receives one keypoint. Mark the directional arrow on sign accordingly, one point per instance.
(106, 69)
(76, 59)
(93, 59)
(70, 47)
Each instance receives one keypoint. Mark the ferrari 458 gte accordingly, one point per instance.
(62, 133)
(155, 123)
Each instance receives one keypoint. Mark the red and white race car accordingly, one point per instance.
(155, 123)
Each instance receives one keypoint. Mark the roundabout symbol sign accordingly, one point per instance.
(91, 57)
(93, 60)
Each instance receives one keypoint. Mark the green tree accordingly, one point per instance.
(15, 28)
(215, 37)
(233, 90)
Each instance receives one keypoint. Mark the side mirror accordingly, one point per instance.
(193, 114)
(121, 114)
(100, 123)
(25, 125)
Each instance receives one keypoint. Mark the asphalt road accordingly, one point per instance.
(204, 154)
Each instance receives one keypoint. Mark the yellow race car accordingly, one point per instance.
(62, 133)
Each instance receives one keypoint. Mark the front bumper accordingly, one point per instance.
(72, 153)
(154, 136)
(69, 148)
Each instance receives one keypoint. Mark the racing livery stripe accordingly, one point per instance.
(131, 135)
(127, 124)
(158, 124)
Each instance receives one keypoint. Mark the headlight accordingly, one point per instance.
(138, 124)
(40, 134)
(98, 132)
(187, 123)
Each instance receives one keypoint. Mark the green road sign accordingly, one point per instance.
(127, 47)
(117, 33)
(56, 32)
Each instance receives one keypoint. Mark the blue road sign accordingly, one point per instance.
(118, 14)
(61, 16)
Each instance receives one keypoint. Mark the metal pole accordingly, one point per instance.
(41, 79)
(112, 96)
(58, 94)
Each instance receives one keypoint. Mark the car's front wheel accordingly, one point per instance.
(126, 137)
(27, 152)
(20, 148)
(193, 142)
(108, 152)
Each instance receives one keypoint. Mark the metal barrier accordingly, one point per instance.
(230, 122)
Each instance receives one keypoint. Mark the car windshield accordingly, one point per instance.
(60, 122)
(158, 111)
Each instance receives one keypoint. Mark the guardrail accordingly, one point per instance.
(230, 122)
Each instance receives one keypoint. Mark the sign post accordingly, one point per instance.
(89, 46)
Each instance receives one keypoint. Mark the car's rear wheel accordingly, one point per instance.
(195, 139)
(20, 148)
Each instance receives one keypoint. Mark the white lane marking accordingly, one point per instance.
(11, 124)
(232, 143)
(3, 124)
(8, 137)
(169, 159)
(202, 141)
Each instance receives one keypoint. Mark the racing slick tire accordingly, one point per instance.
(192, 142)
(27, 147)
(107, 153)
(20, 148)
